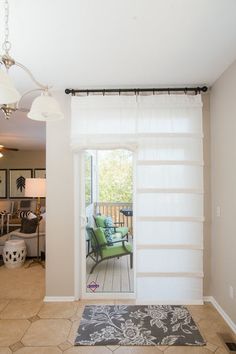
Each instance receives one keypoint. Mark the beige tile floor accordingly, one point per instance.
(29, 326)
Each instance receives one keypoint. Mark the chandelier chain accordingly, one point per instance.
(10, 97)
(6, 44)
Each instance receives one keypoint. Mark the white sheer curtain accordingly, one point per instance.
(111, 120)
(103, 122)
(166, 133)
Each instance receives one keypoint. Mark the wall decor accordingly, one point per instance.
(3, 183)
(40, 173)
(17, 182)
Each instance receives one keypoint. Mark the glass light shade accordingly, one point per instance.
(35, 187)
(45, 108)
(8, 93)
(1, 155)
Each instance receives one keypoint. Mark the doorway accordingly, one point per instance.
(107, 234)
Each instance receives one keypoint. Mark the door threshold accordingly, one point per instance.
(108, 296)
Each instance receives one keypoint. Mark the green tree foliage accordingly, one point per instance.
(115, 176)
(88, 179)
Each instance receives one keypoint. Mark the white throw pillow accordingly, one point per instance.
(31, 216)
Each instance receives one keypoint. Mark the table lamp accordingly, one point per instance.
(36, 188)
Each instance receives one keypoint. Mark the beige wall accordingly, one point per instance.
(207, 195)
(23, 159)
(60, 204)
(60, 207)
(223, 157)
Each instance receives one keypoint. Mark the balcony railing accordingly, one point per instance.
(113, 210)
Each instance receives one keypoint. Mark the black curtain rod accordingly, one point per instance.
(196, 90)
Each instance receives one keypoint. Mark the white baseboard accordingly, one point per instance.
(207, 298)
(226, 317)
(131, 296)
(59, 298)
(108, 296)
(168, 302)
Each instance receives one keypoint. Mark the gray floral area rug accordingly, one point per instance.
(137, 325)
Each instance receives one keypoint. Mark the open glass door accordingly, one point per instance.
(108, 205)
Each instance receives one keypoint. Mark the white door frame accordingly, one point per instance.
(79, 233)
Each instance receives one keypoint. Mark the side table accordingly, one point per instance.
(14, 253)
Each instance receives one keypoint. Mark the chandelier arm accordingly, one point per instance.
(42, 87)
(25, 94)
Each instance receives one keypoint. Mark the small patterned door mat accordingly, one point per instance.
(137, 325)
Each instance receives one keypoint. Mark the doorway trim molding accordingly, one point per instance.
(79, 247)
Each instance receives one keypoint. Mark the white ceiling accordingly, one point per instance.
(22, 133)
(120, 43)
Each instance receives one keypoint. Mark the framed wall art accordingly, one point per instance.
(17, 181)
(40, 173)
(3, 183)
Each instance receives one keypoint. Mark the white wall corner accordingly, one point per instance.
(226, 317)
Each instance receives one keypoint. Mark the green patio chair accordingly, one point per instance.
(102, 251)
(106, 223)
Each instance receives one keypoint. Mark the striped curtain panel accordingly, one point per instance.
(166, 133)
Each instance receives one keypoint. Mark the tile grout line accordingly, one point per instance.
(8, 302)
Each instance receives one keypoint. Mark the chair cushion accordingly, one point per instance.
(23, 214)
(108, 231)
(101, 238)
(116, 250)
(117, 236)
(100, 221)
(122, 230)
(28, 226)
(22, 235)
(31, 216)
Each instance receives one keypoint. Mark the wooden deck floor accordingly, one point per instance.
(113, 275)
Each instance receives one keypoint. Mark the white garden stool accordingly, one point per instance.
(14, 253)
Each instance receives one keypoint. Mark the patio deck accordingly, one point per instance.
(113, 275)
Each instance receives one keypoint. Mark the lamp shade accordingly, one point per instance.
(8, 93)
(45, 108)
(35, 187)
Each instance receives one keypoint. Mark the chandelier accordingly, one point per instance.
(44, 107)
